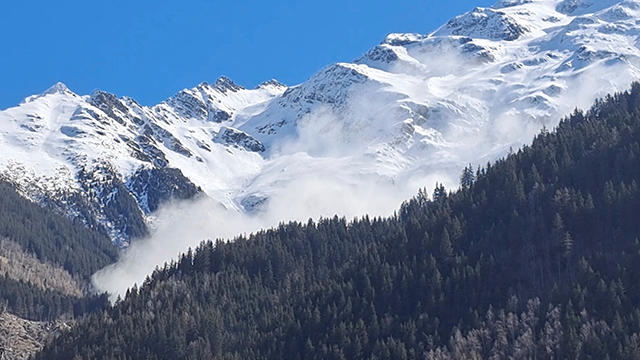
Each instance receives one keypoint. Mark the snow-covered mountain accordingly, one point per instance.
(413, 109)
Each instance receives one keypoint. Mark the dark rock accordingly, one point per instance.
(239, 139)
(254, 203)
(153, 187)
(189, 105)
(164, 136)
(272, 83)
(107, 103)
(570, 6)
(487, 23)
(224, 84)
(147, 145)
(380, 53)
(108, 196)
(218, 116)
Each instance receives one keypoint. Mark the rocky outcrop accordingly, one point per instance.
(380, 53)
(487, 23)
(20, 339)
(239, 139)
(153, 187)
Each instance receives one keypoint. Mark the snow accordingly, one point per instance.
(413, 108)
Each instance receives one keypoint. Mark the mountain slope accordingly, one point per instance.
(534, 257)
(485, 81)
(110, 161)
(46, 261)
(414, 109)
(51, 237)
(20, 339)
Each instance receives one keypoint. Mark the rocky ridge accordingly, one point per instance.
(413, 109)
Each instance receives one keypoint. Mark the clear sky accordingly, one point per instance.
(149, 50)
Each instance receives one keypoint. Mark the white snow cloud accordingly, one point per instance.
(345, 162)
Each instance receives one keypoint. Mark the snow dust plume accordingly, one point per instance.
(364, 159)
(181, 225)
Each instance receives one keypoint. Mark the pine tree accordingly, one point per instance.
(468, 177)
(446, 249)
(439, 193)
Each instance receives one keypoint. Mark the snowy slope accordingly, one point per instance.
(414, 109)
(488, 80)
(80, 151)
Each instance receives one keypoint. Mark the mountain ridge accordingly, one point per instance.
(535, 256)
(414, 108)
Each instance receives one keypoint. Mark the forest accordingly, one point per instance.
(54, 239)
(535, 256)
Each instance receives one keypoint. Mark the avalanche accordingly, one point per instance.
(414, 109)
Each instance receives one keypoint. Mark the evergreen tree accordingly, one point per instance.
(468, 177)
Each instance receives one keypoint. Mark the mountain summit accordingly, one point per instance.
(414, 109)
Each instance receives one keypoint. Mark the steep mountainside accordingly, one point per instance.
(535, 257)
(413, 109)
(46, 261)
(20, 339)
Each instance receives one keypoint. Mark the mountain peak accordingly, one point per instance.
(225, 84)
(57, 88)
(97, 93)
(567, 7)
(485, 23)
(271, 83)
(510, 3)
(412, 105)
(402, 39)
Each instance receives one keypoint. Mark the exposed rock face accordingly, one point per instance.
(105, 197)
(570, 6)
(254, 203)
(225, 84)
(381, 53)
(487, 23)
(20, 339)
(153, 187)
(239, 139)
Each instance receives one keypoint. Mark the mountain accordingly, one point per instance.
(413, 110)
(111, 162)
(46, 261)
(534, 257)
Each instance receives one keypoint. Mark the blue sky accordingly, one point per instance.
(149, 50)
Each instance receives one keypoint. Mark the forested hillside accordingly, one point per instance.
(52, 236)
(46, 259)
(535, 257)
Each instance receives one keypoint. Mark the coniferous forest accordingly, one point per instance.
(536, 256)
(52, 236)
(54, 239)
